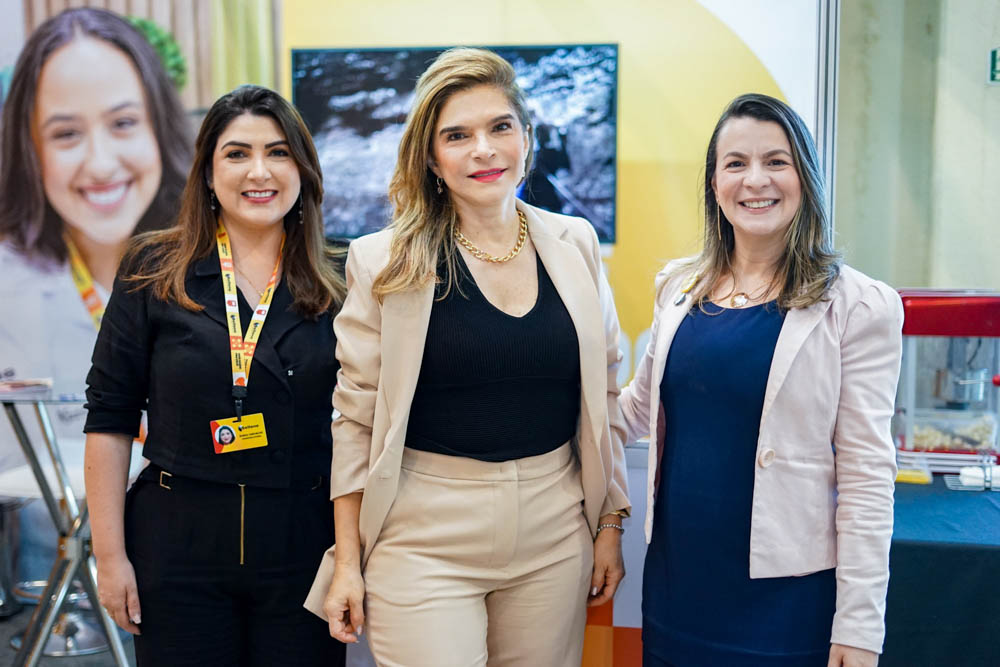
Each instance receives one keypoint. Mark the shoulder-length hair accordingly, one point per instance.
(26, 218)
(809, 265)
(423, 221)
(161, 259)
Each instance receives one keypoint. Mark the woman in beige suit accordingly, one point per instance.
(767, 388)
(478, 471)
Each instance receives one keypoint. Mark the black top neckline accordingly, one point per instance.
(471, 280)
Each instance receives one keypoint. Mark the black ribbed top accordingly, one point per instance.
(492, 386)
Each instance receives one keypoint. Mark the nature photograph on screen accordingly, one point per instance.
(355, 102)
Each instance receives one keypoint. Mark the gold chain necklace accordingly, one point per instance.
(260, 292)
(522, 236)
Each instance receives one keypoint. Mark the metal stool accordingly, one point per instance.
(8, 603)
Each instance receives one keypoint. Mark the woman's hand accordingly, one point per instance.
(849, 656)
(609, 567)
(118, 592)
(344, 605)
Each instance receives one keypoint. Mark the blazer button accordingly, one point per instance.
(278, 456)
(766, 458)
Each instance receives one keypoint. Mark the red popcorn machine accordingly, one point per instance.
(949, 386)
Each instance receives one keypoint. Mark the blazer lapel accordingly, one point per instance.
(799, 323)
(671, 316)
(575, 285)
(205, 287)
(405, 316)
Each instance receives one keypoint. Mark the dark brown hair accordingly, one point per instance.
(809, 264)
(26, 218)
(161, 259)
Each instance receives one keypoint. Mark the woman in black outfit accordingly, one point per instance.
(223, 321)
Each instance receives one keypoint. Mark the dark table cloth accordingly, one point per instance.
(943, 605)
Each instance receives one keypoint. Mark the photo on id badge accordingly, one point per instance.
(232, 435)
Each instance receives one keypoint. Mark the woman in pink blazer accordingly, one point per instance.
(478, 470)
(767, 390)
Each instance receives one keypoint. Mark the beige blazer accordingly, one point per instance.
(825, 466)
(380, 348)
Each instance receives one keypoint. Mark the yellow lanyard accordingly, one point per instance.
(85, 285)
(241, 350)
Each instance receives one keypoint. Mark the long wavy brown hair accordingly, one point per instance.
(161, 259)
(26, 218)
(423, 221)
(809, 264)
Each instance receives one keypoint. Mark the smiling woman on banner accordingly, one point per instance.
(222, 326)
(767, 390)
(95, 147)
(479, 474)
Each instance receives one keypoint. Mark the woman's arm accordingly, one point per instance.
(609, 566)
(617, 496)
(359, 337)
(358, 328)
(635, 399)
(870, 348)
(106, 462)
(344, 605)
(117, 387)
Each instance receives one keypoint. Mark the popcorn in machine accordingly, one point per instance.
(949, 386)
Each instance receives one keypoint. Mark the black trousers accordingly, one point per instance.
(223, 570)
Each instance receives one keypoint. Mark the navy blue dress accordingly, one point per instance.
(699, 605)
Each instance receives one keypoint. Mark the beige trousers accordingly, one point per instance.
(481, 564)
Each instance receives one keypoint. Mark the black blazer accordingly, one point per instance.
(174, 363)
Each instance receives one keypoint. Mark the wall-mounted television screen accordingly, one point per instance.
(355, 103)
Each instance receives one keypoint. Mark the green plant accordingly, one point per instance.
(166, 47)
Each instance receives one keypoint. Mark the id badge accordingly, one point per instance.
(230, 435)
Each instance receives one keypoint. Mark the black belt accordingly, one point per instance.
(157, 475)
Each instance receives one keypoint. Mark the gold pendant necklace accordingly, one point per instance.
(260, 292)
(740, 299)
(522, 236)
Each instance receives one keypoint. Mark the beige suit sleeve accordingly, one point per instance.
(359, 339)
(617, 498)
(870, 348)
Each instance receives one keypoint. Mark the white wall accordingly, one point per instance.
(966, 176)
(11, 31)
(918, 145)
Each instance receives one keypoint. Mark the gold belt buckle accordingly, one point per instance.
(162, 473)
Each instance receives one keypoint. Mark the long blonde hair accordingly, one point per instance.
(809, 265)
(423, 221)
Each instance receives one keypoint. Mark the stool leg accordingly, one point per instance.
(8, 603)
(45, 614)
(88, 577)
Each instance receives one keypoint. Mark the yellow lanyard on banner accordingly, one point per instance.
(242, 349)
(85, 285)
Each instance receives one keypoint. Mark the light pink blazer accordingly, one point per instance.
(380, 347)
(825, 465)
